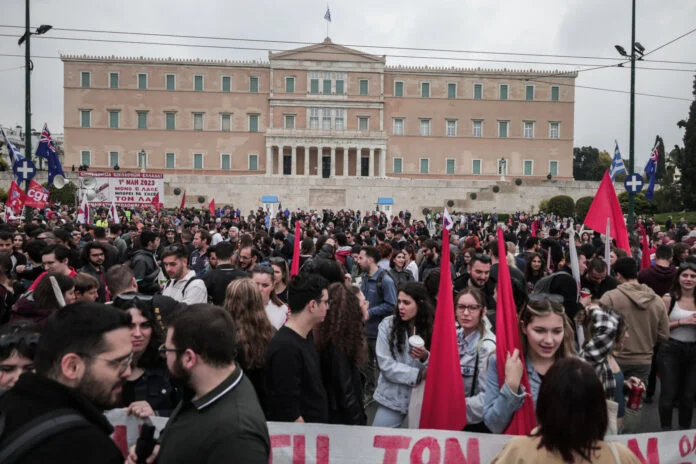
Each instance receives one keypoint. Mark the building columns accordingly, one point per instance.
(358, 159)
(371, 169)
(345, 162)
(293, 167)
(306, 160)
(269, 160)
(332, 173)
(383, 162)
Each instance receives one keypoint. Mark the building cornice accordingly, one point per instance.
(169, 61)
(480, 72)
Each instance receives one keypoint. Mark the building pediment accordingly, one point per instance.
(326, 51)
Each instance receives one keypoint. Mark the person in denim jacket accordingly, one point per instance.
(401, 366)
(476, 343)
(546, 336)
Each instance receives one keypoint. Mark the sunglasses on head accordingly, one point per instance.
(13, 339)
(688, 265)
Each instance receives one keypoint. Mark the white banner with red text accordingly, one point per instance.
(127, 189)
(336, 444)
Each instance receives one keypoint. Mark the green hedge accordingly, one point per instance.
(562, 205)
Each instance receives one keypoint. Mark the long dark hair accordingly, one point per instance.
(151, 357)
(571, 410)
(423, 321)
(690, 264)
(529, 275)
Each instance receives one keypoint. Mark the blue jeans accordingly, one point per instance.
(677, 366)
(385, 417)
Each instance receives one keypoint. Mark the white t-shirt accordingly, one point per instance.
(276, 314)
(196, 292)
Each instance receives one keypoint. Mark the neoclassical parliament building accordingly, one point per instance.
(323, 111)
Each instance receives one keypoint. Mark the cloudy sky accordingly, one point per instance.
(575, 28)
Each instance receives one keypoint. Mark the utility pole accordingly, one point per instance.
(631, 153)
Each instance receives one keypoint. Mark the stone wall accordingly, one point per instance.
(361, 193)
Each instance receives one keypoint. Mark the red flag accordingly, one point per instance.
(211, 207)
(295, 266)
(606, 205)
(183, 201)
(645, 248)
(156, 203)
(444, 405)
(507, 339)
(15, 197)
(36, 196)
(534, 228)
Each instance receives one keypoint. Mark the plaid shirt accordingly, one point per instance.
(597, 348)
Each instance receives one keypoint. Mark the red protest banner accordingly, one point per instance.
(37, 196)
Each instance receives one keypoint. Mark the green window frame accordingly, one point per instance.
(253, 123)
(114, 119)
(450, 168)
(170, 161)
(86, 157)
(504, 91)
(142, 119)
(170, 119)
(476, 166)
(226, 84)
(253, 84)
(364, 86)
(253, 162)
(555, 92)
(86, 118)
(451, 90)
(198, 161)
(226, 161)
(289, 85)
(142, 81)
(113, 158)
(85, 79)
(478, 91)
(326, 87)
(314, 86)
(398, 165)
(553, 168)
(289, 121)
(363, 123)
(339, 87)
(503, 129)
(529, 92)
(425, 89)
(424, 165)
(528, 169)
(398, 88)
(113, 80)
(198, 83)
(170, 81)
(225, 122)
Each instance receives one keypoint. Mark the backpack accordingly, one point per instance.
(186, 285)
(543, 285)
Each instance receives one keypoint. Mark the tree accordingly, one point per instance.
(64, 196)
(586, 164)
(561, 205)
(687, 166)
(582, 206)
(642, 204)
(668, 196)
(661, 161)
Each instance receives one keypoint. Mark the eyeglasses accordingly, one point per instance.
(471, 308)
(542, 297)
(163, 350)
(122, 363)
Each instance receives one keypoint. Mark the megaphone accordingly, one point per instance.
(91, 195)
(59, 181)
(89, 182)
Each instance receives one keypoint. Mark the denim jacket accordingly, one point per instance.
(398, 376)
(501, 403)
(469, 347)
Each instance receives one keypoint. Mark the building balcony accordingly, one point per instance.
(326, 134)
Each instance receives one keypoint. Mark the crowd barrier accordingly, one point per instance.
(323, 444)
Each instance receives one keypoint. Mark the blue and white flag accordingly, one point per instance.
(15, 155)
(617, 164)
(47, 150)
(651, 171)
(327, 15)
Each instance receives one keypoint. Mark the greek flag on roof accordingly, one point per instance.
(327, 15)
(617, 164)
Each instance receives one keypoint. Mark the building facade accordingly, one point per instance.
(322, 111)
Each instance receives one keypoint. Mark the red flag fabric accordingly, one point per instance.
(36, 196)
(295, 266)
(15, 197)
(645, 248)
(183, 201)
(606, 205)
(507, 335)
(444, 405)
(211, 207)
(534, 228)
(156, 202)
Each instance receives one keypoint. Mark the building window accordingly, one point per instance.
(502, 167)
(85, 118)
(424, 165)
(425, 127)
(450, 166)
(553, 168)
(289, 121)
(476, 167)
(425, 89)
(198, 83)
(554, 93)
(85, 78)
(170, 81)
(113, 80)
(314, 83)
(398, 165)
(198, 161)
(503, 129)
(113, 158)
(169, 160)
(226, 84)
(363, 123)
(326, 90)
(253, 123)
(528, 169)
(142, 81)
(225, 122)
(170, 118)
(529, 129)
(198, 121)
(478, 91)
(554, 130)
(142, 119)
(339, 121)
(142, 160)
(398, 126)
(503, 91)
(314, 118)
(451, 128)
(529, 92)
(452, 90)
(226, 161)
(398, 88)
(339, 87)
(253, 162)
(114, 119)
(477, 128)
(289, 84)
(86, 158)
(254, 84)
(326, 119)
(363, 86)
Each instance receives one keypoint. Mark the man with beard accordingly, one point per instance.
(82, 361)
(479, 273)
(219, 418)
(198, 260)
(183, 285)
(247, 259)
(93, 255)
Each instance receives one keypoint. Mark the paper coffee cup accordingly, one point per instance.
(416, 341)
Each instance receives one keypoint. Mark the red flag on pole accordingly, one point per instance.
(606, 205)
(156, 203)
(183, 201)
(507, 339)
(15, 197)
(444, 405)
(295, 266)
(534, 228)
(211, 207)
(645, 248)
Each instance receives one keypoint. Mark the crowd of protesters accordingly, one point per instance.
(171, 313)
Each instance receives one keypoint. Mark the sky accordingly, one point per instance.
(575, 28)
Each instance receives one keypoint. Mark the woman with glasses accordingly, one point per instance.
(281, 275)
(476, 343)
(534, 270)
(148, 390)
(254, 331)
(402, 366)
(546, 336)
(677, 356)
(276, 310)
(17, 349)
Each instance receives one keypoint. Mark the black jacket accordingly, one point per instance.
(341, 379)
(217, 280)
(146, 271)
(34, 395)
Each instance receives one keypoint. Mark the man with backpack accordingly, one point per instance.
(183, 285)
(145, 265)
